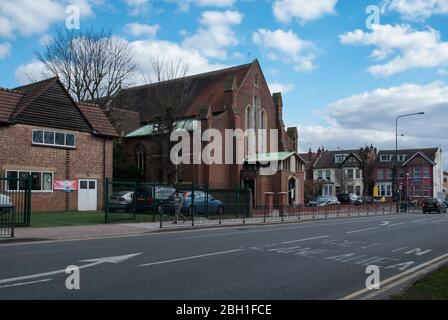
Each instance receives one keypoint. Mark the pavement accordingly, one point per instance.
(311, 260)
(114, 230)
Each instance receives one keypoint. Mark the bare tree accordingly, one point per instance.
(91, 64)
(170, 93)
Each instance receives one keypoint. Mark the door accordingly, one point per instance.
(87, 195)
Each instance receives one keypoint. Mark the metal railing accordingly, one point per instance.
(15, 204)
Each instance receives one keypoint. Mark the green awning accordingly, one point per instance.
(149, 129)
(270, 157)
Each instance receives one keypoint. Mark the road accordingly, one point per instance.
(312, 260)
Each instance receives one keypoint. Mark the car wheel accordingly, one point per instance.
(220, 210)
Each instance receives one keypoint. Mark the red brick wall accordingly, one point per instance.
(86, 161)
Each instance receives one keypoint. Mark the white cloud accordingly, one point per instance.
(284, 88)
(30, 72)
(417, 9)
(5, 50)
(302, 10)
(215, 34)
(138, 7)
(286, 46)
(145, 51)
(409, 49)
(28, 17)
(369, 118)
(139, 29)
(184, 5)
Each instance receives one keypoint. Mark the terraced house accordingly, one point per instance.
(343, 171)
(233, 98)
(420, 173)
(46, 134)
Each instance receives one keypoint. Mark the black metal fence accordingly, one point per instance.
(129, 201)
(155, 202)
(15, 200)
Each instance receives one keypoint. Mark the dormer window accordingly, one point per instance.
(340, 158)
(402, 157)
(386, 158)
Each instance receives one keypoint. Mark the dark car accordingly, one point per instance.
(145, 200)
(433, 205)
(203, 203)
(347, 198)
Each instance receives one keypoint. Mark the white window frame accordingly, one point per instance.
(65, 146)
(340, 158)
(386, 158)
(30, 172)
(385, 189)
(402, 157)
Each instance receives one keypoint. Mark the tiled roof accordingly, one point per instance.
(9, 99)
(97, 119)
(47, 103)
(327, 159)
(31, 92)
(429, 152)
(208, 90)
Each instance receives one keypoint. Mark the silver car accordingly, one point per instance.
(122, 200)
(6, 204)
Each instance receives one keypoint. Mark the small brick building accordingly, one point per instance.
(45, 133)
(233, 98)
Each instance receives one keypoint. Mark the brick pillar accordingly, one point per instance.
(282, 202)
(268, 202)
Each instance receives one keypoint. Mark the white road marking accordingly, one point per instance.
(399, 278)
(94, 262)
(307, 239)
(362, 230)
(397, 224)
(400, 249)
(191, 258)
(24, 283)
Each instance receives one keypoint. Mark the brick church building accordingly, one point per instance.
(233, 98)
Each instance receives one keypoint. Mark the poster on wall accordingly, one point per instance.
(66, 185)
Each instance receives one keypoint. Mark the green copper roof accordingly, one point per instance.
(148, 130)
(269, 157)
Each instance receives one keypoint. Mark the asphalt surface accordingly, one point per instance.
(312, 260)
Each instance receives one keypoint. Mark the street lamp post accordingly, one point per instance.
(396, 152)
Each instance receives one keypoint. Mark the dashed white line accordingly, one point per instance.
(307, 239)
(24, 283)
(362, 230)
(191, 258)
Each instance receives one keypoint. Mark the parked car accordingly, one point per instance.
(433, 205)
(215, 206)
(6, 205)
(366, 200)
(122, 200)
(347, 198)
(324, 201)
(145, 200)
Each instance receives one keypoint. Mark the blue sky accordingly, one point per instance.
(343, 83)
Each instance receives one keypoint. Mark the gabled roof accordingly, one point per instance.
(208, 90)
(9, 99)
(419, 154)
(429, 153)
(31, 92)
(327, 159)
(47, 103)
(98, 120)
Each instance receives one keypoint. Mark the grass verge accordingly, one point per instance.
(66, 219)
(432, 287)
